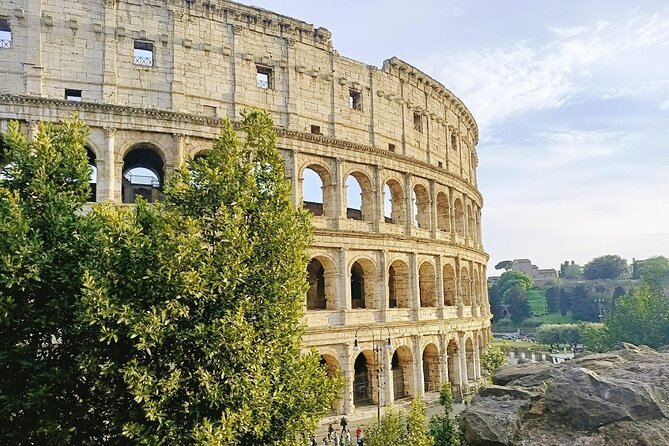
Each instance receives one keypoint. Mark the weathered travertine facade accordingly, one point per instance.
(152, 78)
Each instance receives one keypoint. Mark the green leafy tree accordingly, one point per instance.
(564, 302)
(512, 278)
(493, 358)
(558, 334)
(570, 270)
(42, 242)
(496, 303)
(640, 317)
(443, 428)
(516, 298)
(605, 267)
(583, 305)
(391, 431)
(596, 337)
(655, 271)
(175, 324)
(553, 299)
(417, 434)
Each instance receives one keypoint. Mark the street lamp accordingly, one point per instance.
(599, 303)
(378, 349)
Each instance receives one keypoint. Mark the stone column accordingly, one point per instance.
(463, 361)
(344, 281)
(108, 192)
(109, 92)
(340, 192)
(440, 285)
(379, 204)
(33, 129)
(296, 181)
(451, 214)
(465, 220)
(443, 358)
(414, 285)
(386, 374)
(348, 372)
(433, 209)
(408, 197)
(382, 284)
(179, 152)
(477, 359)
(418, 366)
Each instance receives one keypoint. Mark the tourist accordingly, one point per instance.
(330, 431)
(343, 423)
(348, 438)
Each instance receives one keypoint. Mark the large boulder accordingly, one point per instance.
(618, 398)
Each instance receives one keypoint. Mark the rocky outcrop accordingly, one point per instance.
(620, 398)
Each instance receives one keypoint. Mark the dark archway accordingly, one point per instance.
(316, 292)
(93, 182)
(402, 372)
(431, 368)
(398, 285)
(363, 379)
(143, 174)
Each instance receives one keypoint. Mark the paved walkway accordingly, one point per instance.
(366, 417)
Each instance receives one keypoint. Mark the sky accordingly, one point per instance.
(572, 103)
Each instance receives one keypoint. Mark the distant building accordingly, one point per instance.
(540, 276)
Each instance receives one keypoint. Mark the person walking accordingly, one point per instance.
(343, 423)
(331, 431)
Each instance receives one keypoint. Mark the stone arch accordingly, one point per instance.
(312, 178)
(471, 366)
(421, 202)
(331, 365)
(450, 295)
(321, 278)
(453, 362)
(431, 377)
(358, 181)
(443, 212)
(398, 285)
(459, 214)
(402, 373)
(465, 290)
(393, 202)
(364, 379)
(93, 182)
(427, 285)
(363, 284)
(470, 223)
(143, 173)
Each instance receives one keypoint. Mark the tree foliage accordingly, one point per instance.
(605, 267)
(596, 337)
(177, 323)
(417, 434)
(443, 428)
(391, 431)
(553, 299)
(504, 264)
(570, 270)
(516, 298)
(511, 278)
(583, 305)
(493, 358)
(559, 334)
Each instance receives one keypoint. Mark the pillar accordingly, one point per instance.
(109, 187)
(33, 129)
(408, 205)
(419, 378)
(344, 281)
(296, 181)
(414, 284)
(378, 217)
(465, 220)
(463, 361)
(451, 214)
(383, 297)
(433, 209)
(443, 358)
(440, 285)
(179, 149)
(109, 92)
(348, 373)
(340, 191)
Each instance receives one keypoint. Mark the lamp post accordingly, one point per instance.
(599, 304)
(377, 349)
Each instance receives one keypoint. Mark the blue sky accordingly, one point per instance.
(572, 102)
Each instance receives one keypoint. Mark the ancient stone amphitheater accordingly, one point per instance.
(386, 156)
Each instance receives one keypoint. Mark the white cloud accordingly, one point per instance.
(665, 105)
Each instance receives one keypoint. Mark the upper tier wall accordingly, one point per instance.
(205, 61)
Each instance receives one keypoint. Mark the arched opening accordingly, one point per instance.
(470, 223)
(465, 290)
(421, 205)
(402, 371)
(363, 285)
(331, 366)
(443, 213)
(453, 360)
(398, 285)
(459, 217)
(358, 197)
(364, 379)
(426, 282)
(143, 174)
(93, 182)
(393, 204)
(316, 299)
(431, 368)
(449, 286)
(316, 190)
(471, 367)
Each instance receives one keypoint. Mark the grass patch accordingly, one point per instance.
(553, 318)
(536, 297)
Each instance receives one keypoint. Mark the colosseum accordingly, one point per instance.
(397, 299)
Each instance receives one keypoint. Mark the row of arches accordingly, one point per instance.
(405, 373)
(458, 287)
(451, 215)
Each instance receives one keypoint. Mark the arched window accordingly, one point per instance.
(143, 174)
(331, 366)
(92, 161)
(449, 286)
(402, 372)
(426, 279)
(358, 197)
(316, 280)
(393, 203)
(421, 201)
(471, 367)
(316, 190)
(443, 212)
(363, 285)
(364, 379)
(453, 359)
(459, 217)
(398, 285)
(431, 368)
